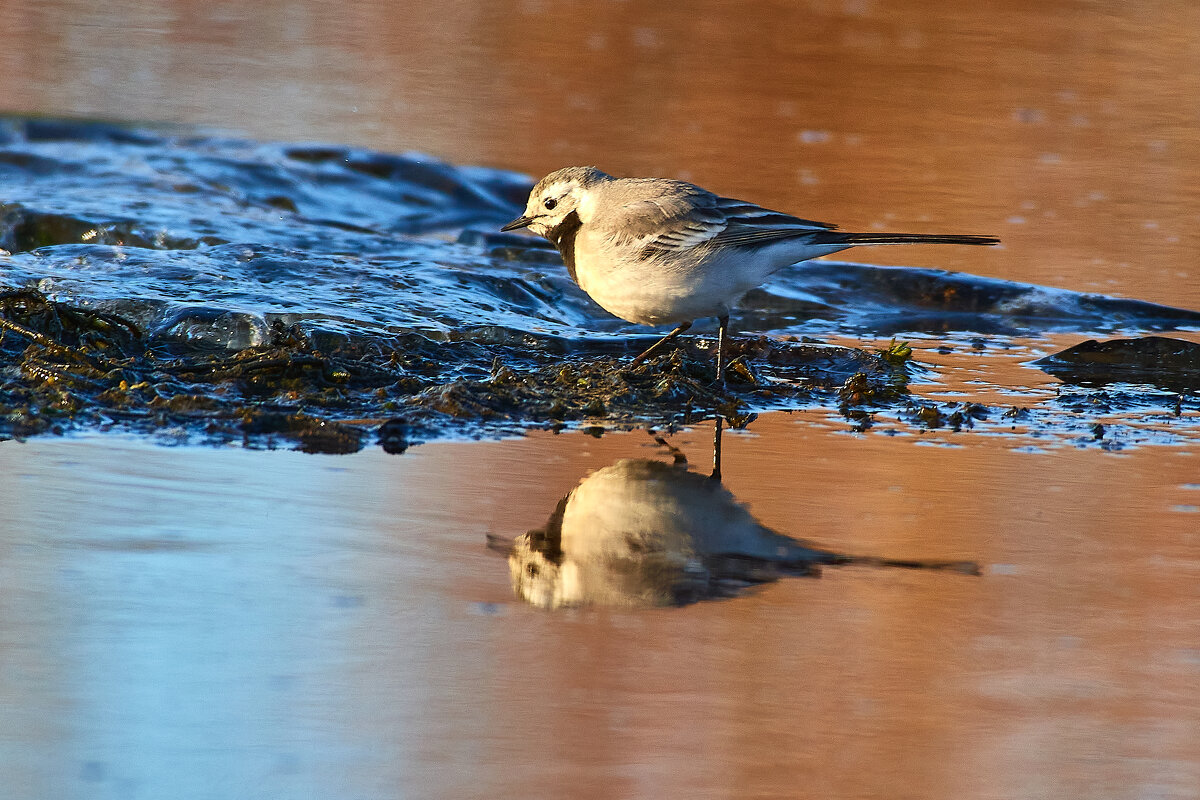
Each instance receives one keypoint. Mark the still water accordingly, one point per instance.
(245, 624)
(218, 622)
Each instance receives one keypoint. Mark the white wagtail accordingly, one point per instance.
(656, 251)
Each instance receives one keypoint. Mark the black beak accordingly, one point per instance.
(500, 544)
(519, 222)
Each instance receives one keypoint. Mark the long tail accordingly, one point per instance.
(839, 237)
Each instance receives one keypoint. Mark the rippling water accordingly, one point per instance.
(178, 229)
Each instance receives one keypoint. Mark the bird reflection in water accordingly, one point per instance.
(644, 532)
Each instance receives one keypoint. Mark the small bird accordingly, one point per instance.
(655, 251)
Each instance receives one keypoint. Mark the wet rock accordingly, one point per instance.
(394, 435)
(1158, 360)
(24, 229)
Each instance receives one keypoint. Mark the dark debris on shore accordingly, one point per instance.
(65, 367)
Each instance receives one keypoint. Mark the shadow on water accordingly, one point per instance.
(216, 290)
(645, 532)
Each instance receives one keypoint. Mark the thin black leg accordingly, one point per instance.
(722, 333)
(716, 472)
(659, 344)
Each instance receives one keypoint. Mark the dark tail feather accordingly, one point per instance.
(838, 237)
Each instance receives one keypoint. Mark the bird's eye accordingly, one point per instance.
(550, 203)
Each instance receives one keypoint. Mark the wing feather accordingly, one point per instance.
(681, 216)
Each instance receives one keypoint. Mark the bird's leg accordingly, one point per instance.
(716, 470)
(683, 326)
(722, 333)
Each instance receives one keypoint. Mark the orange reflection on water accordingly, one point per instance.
(352, 634)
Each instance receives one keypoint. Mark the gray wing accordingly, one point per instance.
(671, 216)
(748, 224)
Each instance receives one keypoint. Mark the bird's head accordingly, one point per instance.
(555, 198)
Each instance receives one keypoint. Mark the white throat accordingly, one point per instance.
(587, 206)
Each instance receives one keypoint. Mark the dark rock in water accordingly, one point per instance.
(24, 229)
(394, 435)
(1172, 364)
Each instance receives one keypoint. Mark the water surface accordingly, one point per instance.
(225, 622)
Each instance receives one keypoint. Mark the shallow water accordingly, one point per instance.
(207, 620)
(224, 622)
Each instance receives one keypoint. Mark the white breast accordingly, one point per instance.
(676, 288)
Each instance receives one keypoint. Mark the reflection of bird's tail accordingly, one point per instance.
(500, 544)
(840, 237)
(964, 567)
